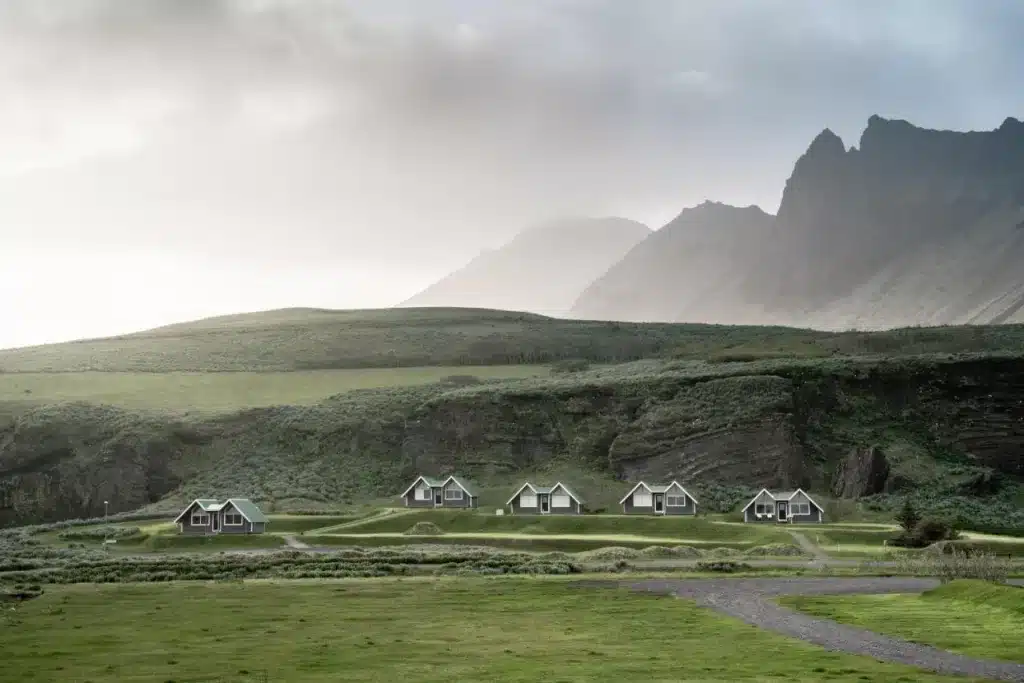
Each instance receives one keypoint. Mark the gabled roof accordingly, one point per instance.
(565, 488)
(658, 488)
(527, 485)
(248, 509)
(625, 497)
(432, 483)
(752, 500)
(207, 505)
(462, 484)
(536, 489)
(782, 495)
(807, 495)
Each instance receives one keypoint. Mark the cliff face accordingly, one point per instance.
(902, 197)
(952, 428)
(911, 227)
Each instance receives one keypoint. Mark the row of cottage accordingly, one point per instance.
(643, 499)
(242, 516)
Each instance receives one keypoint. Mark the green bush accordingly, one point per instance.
(926, 532)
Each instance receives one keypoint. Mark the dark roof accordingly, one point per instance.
(248, 509)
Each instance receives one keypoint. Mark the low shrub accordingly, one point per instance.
(569, 365)
(776, 550)
(722, 566)
(460, 380)
(673, 552)
(99, 533)
(925, 532)
(610, 553)
(955, 564)
(423, 529)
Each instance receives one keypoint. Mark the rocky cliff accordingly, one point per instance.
(910, 227)
(950, 430)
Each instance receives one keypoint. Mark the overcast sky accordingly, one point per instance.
(164, 160)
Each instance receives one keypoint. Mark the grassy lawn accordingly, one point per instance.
(970, 617)
(678, 529)
(220, 391)
(385, 631)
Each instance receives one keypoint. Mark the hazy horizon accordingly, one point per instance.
(167, 160)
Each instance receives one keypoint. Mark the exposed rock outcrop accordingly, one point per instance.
(865, 472)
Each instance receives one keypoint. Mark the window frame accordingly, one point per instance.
(560, 496)
(669, 497)
(643, 495)
(234, 514)
(424, 491)
(200, 518)
(455, 490)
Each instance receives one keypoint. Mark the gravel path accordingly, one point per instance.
(805, 543)
(750, 600)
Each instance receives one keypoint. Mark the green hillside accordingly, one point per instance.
(310, 339)
(949, 428)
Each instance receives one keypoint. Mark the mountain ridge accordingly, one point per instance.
(912, 226)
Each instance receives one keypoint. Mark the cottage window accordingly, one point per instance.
(769, 508)
(200, 519)
(801, 508)
(233, 519)
(759, 509)
(560, 501)
(676, 501)
(453, 494)
(642, 499)
(423, 493)
(528, 500)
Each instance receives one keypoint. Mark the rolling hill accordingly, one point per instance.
(542, 270)
(319, 339)
(727, 408)
(911, 227)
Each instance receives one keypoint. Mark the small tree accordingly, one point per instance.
(908, 516)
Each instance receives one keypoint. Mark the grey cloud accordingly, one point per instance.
(427, 137)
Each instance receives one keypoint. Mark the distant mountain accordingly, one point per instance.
(542, 270)
(691, 269)
(913, 227)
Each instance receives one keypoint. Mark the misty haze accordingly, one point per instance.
(511, 340)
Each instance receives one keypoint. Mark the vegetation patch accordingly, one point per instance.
(99, 533)
(776, 550)
(309, 632)
(423, 529)
(975, 618)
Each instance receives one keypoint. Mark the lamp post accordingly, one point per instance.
(105, 504)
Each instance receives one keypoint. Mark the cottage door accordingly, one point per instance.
(216, 523)
(783, 511)
(437, 498)
(659, 504)
(545, 505)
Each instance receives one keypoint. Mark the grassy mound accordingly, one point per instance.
(610, 553)
(776, 550)
(423, 529)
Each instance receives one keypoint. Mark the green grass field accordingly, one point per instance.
(682, 529)
(222, 391)
(970, 617)
(514, 631)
